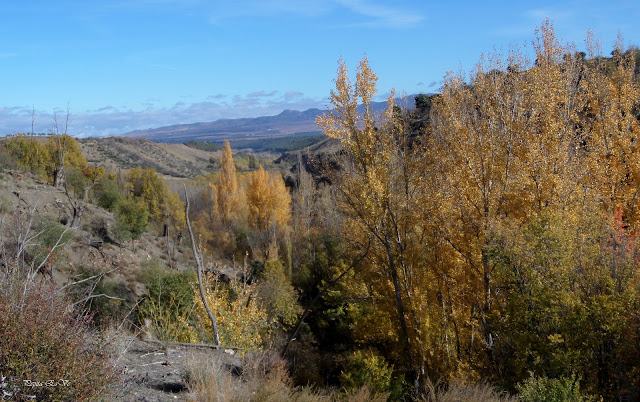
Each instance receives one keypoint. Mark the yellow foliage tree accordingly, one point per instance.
(268, 200)
(64, 152)
(164, 206)
(383, 184)
(227, 186)
(29, 152)
(241, 321)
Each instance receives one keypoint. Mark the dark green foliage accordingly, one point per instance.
(49, 232)
(279, 144)
(204, 146)
(423, 104)
(76, 181)
(278, 296)
(543, 389)
(327, 333)
(168, 288)
(107, 195)
(132, 218)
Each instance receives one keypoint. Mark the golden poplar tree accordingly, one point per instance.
(383, 184)
(227, 186)
(268, 200)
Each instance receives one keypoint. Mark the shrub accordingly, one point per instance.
(116, 299)
(47, 351)
(107, 195)
(543, 389)
(278, 295)
(7, 161)
(49, 232)
(169, 302)
(262, 377)
(460, 390)
(241, 320)
(164, 285)
(132, 218)
(367, 368)
(76, 181)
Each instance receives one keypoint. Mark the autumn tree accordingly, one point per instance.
(303, 200)
(566, 286)
(383, 183)
(164, 207)
(227, 186)
(507, 146)
(269, 207)
(29, 152)
(63, 150)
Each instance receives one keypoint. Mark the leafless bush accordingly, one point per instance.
(47, 348)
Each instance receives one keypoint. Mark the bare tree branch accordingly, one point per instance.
(88, 279)
(199, 263)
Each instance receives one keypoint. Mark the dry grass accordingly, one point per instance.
(262, 377)
(462, 391)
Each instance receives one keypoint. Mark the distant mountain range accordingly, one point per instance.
(289, 122)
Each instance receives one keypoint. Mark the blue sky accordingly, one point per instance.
(121, 65)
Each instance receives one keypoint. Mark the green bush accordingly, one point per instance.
(164, 285)
(110, 308)
(76, 181)
(278, 295)
(107, 195)
(169, 302)
(367, 368)
(132, 218)
(49, 232)
(543, 389)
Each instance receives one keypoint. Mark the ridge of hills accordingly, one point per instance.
(288, 122)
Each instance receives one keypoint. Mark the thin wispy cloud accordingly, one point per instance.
(556, 14)
(262, 94)
(382, 16)
(373, 14)
(291, 95)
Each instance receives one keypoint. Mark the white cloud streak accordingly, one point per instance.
(382, 16)
(112, 120)
(374, 15)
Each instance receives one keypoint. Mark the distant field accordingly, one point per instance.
(280, 144)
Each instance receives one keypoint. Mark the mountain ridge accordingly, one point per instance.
(287, 122)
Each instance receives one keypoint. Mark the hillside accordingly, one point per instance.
(195, 159)
(116, 153)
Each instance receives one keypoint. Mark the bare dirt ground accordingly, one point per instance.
(154, 371)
